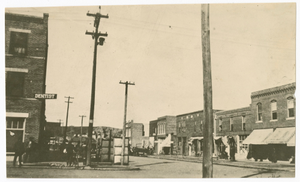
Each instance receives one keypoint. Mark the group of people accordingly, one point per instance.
(74, 153)
(22, 150)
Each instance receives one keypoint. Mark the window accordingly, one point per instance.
(291, 107)
(231, 124)
(243, 123)
(18, 43)
(201, 125)
(161, 129)
(195, 126)
(14, 123)
(15, 84)
(259, 112)
(220, 124)
(273, 110)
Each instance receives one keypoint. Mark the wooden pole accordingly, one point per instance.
(207, 171)
(124, 122)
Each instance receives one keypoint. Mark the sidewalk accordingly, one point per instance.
(62, 165)
(244, 163)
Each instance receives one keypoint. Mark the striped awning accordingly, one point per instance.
(292, 141)
(281, 136)
(257, 137)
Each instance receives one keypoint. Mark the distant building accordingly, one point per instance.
(234, 123)
(136, 134)
(26, 47)
(190, 133)
(163, 130)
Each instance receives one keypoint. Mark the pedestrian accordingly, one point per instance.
(29, 150)
(70, 151)
(274, 155)
(19, 151)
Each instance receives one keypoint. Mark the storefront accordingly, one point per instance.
(278, 143)
(258, 148)
(15, 129)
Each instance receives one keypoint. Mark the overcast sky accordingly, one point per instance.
(159, 48)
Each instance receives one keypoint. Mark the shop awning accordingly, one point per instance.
(281, 136)
(194, 138)
(292, 142)
(257, 137)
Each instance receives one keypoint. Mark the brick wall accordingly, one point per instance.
(280, 94)
(34, 62)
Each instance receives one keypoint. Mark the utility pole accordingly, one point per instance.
(207, 171)
(95, 35)
(81, 128)
(65, 132)
(124, 123)
(59, 120)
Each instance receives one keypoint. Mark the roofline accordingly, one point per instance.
(273, 90)
(237, 109)
(214, 110)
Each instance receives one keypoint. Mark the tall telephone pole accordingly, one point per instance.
(65, 132)
(81, 128)
(124, 122)
(207, 171)
(95, 35)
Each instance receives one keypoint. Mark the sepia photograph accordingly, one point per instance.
(163, 91)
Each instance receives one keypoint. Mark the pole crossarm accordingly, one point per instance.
(128, 83)
(96, 34)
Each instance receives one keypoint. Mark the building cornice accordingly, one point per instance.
(25, 18)
(243, 109)
(275, 90)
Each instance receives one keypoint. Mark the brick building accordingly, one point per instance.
(26, 47)
(136, 134)
(235, 123)
(273, 114)
(270, 110)
(189, 136)
(164, 131)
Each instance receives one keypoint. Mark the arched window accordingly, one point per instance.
(259, 112)
(290, 107)
(243, 123)
(220, 124)
(274, 110)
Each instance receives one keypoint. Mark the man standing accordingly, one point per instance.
(19, 150)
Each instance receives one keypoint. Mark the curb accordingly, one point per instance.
(101, 168)
(231, 164)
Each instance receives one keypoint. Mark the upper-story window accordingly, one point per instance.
(259, 112)
(201, 125)
(195, 124)
(18, 43)
(243, 123)
(161, 129)
(231, 124)
(273, 110)
(15, 84)
(220, 124)
(291, 107)
(128, 132)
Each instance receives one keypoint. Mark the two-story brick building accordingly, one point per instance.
(270, 119)
(164, 131)
(234, 123)
(190, 132)
(273, 114)
(26, 47)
